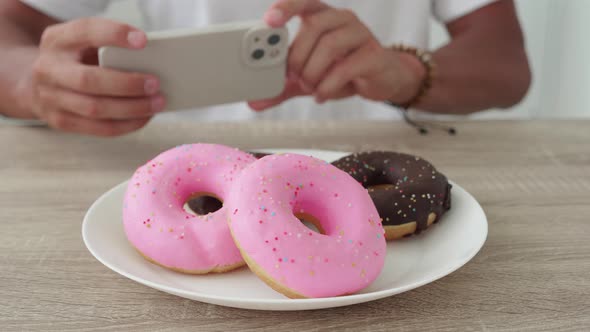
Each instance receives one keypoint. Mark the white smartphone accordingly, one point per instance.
(210, 66)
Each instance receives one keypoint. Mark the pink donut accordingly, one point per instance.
(294, 260)
(156, 223)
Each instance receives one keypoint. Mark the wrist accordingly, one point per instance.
(411, 73)
(20, 95)
(415, 72)
(23, 100)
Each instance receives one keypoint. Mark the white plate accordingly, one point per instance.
(410, 263)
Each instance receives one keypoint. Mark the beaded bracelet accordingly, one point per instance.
(425, 59)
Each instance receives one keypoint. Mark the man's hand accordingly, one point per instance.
(71, 93)
(335, 55)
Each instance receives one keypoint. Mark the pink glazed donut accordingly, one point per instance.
(263, 210)
(156, 223)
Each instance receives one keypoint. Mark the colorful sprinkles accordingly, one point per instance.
(153, 209)
(270, 234)
(404, 188)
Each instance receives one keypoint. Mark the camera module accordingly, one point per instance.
(274, 39)
(258, 54)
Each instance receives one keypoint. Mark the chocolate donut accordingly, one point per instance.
(409, 193)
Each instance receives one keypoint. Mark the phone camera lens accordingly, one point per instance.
(258, 54)
(274, 39)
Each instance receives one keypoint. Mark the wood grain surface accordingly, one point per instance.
(533, 274)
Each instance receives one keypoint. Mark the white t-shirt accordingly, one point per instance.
(392, 21)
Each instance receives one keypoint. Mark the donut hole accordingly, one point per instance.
(311, 222)
(201, 204)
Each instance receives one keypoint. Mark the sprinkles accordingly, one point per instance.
(402, 194)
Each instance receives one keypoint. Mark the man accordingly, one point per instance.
(341, 49)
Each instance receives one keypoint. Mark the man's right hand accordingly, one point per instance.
(71, 93)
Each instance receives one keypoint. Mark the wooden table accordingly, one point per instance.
(533, 274)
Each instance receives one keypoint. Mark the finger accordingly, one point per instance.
(331, 48)
(313, 27)
(101, 107)
(291, 90)
(364, 61)
(347, 91)
(96, 80)
(262, 105)
(70, 122)
(362, 86)
(92, 32)
(283, 10)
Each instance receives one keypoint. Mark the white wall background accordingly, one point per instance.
(558, 44)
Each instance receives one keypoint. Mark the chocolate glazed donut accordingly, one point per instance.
(409, 193)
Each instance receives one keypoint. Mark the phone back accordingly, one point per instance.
(217, 65)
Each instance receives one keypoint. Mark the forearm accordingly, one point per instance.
(473, 75)
(18, 51)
